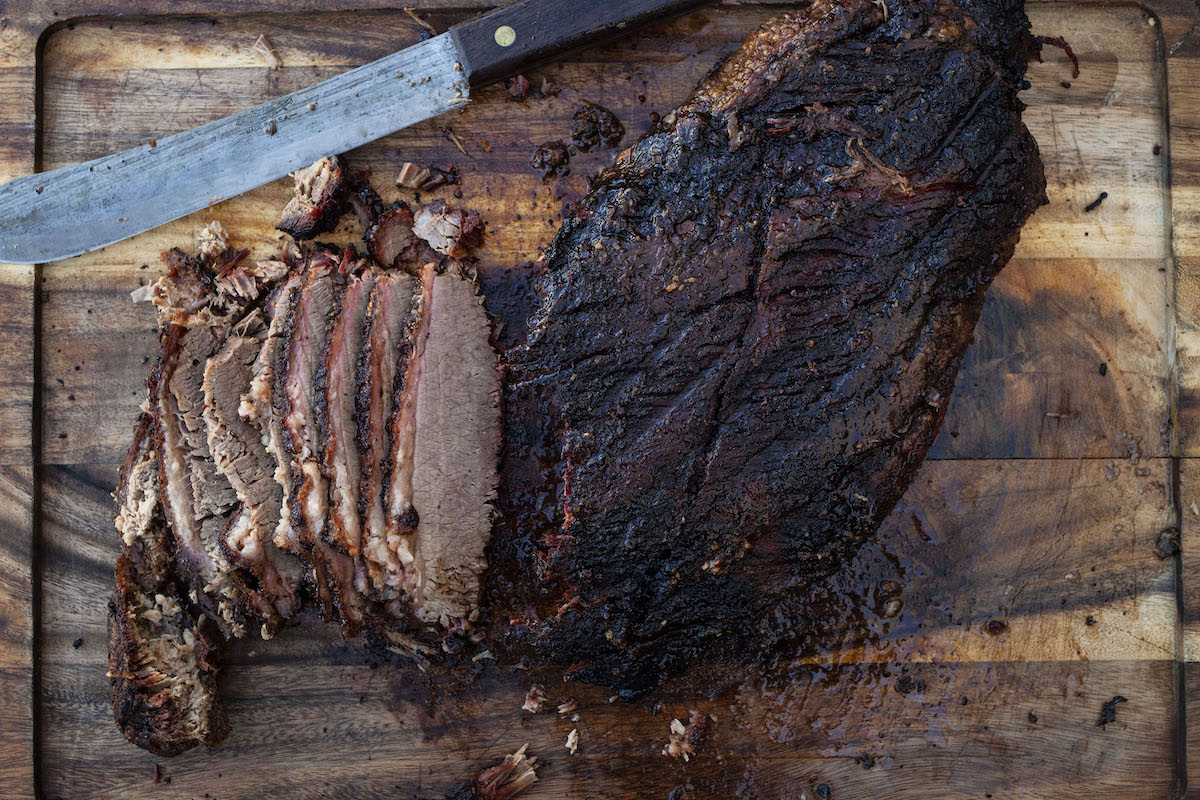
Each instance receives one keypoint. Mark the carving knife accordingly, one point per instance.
(54, 215)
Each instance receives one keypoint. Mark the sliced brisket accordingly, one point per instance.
(446, 439)
(342, 465)
(389, 314)
(161, 661)
(307, 491)
(238, 450)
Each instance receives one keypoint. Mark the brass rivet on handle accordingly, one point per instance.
(505, 36)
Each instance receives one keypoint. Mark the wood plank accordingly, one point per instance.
(16, 633)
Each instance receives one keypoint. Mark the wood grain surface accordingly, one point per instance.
(1031, 590)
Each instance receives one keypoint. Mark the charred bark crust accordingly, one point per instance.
(749, 331)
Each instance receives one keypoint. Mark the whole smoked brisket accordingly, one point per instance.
(748, 333)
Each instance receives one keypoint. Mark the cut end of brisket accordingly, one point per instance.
(320, 198)
(161, 660)
(161, 663)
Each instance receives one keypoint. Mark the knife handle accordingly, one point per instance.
(500, 44)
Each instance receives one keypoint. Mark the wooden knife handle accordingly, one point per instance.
(502, 43)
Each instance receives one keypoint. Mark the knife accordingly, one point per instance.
(54, 215)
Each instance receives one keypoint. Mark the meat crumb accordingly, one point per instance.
(78, 643)
(572, 744)
(685, 740)
(533, 699)
(1092, 206)
(1109, 712)
(595, 125)
(1166, 544)
(426, 179)
(552, 159)
(517, 88)
(263, 47)
(567, 707)
(506, 780)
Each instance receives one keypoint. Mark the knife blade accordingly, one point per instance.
(55, 215)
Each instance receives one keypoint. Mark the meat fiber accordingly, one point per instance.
(748, 334)
(505, 781)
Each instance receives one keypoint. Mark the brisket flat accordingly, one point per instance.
(748, 333)
(445, 445)
(342, 465)
(238, 450)
(389, 314)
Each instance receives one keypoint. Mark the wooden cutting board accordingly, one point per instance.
(1023, 557)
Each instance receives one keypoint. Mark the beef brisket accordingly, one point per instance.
(342, 466)
(386, 344)
(445, 443)
(160, 657)
(741, 345)
(748, 334)
(238, 450)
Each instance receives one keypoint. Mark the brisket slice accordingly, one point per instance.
(196, 498)
(161, 660)
(385, 348)
(307, 491)
(445, 445)
(264, 404)
(238, 450)
(748, 334)
(342, 466)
